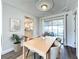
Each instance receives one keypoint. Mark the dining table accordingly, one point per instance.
(39, 45)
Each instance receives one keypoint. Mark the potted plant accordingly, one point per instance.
(17, 42)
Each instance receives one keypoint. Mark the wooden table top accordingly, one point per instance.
(39, 45)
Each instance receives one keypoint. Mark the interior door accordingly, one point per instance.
(71, 30)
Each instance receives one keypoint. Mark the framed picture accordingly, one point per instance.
(14, 24)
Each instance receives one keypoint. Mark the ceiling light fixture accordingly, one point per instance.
(44, 5)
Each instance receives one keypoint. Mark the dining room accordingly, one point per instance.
(39, 29)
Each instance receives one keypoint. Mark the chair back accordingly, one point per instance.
(55, 50)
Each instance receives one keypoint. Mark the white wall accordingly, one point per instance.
(40, 27)
(0, 25)
(11, 12)
(36, 27)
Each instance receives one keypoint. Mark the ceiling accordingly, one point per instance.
(29, 6)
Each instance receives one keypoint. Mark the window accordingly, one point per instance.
(54, 27)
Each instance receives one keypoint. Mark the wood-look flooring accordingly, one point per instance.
(68, 52)
(65, 53)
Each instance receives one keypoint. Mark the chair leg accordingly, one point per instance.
(40, 57)
(34, 55)
(27, 53)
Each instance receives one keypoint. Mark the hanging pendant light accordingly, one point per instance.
(44, 5)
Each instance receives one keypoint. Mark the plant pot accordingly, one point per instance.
(17, 47)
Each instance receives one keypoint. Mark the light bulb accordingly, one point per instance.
(44, 7)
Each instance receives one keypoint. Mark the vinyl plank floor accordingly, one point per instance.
(11, 55)
(65, 53)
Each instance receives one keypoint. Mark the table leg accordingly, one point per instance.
(24, 53)
(45, 57)
(48, 55)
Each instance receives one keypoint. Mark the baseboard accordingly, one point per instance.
(6, 51)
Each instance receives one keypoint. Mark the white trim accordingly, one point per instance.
(56, 15)
(78, 34)
(6, 51)
(65, 30)
(59, 14)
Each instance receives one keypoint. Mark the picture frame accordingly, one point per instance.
(14, 24)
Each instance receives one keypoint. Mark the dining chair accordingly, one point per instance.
(55, 50)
